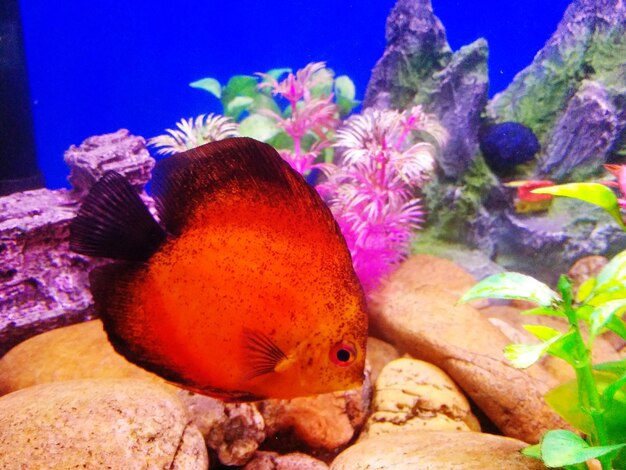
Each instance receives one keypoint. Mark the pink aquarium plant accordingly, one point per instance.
(372, 189)
(308, 113)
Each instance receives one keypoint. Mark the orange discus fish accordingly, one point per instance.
(245, 290)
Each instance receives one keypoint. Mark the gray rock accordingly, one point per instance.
(419, 67)
(546, 245)
(576, 148)
(416, 47)
(42, 284)
(119, 151)
(457, 99)
(572, 95)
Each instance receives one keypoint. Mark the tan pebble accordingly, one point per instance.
(98, 423)
(293, 461)
(432, 450)
(585, 268)
(415, 395)
(78, 351)
(427, 323)
(424, 270)
(325, 421)
(379, 353)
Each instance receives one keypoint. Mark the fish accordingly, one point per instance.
(243, 289)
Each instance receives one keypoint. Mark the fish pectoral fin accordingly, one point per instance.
(113, 222)
(263, 356)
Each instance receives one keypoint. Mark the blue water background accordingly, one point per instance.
(98, 66)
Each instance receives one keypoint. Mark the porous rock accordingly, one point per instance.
(582, 137)
(429, 450)
(98, 423)
(42, 284)
(426, 322)
(326, 422)
(293, 461)
(233, 430)
(120, 151)
(418, 66)
(415, 395)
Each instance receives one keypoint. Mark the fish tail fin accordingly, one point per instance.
(113, 222)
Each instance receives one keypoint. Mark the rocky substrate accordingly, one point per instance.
(436, 377)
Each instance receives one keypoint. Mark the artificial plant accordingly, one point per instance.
(595, 403)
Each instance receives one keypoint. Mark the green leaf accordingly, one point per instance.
(324, 80)
(345, 105)
(532, 451)
(239, 85)
(277, 73)
(258, 127)
(542, 332)
(601, 315)
(611, 391)
(613, 275)
(615, 367)
(566, 348)
(238, 105)
(585, 289)
(512, 286)
(561, 447)
(593, 193)
(345, 87)
(522, 356)
(262, 101)
(564, 399)
(208, 84)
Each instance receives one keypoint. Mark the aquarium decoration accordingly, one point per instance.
(595, 403)
(434, 187)
(374, 163)
(191, 133)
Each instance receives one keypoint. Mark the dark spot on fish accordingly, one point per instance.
(8, 274)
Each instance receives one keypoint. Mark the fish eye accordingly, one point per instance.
(342, 354)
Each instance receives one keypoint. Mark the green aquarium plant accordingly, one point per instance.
(297, 112)
(594, 403)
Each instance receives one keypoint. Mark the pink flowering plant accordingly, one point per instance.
(372, 190)
(373, 165)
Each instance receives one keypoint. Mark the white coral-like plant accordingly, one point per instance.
(192, 133)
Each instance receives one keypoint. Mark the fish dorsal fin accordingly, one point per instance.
(113, 222)
(234, 166)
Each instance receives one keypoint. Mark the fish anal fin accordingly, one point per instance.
(113, 222)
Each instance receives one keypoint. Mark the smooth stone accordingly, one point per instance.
(379, 354)
(98, 423)
(415, 395)
(80, 351)
(293, 461)
(424, 270)
(426, 322)
(436, 450)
